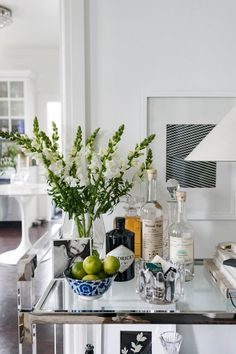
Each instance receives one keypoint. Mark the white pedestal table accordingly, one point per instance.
(23, 194)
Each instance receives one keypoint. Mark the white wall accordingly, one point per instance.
(136, 47)
(141, 47)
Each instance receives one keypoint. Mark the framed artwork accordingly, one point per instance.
(136, 342)
(139, 338)
(67, 251)
(180, 122)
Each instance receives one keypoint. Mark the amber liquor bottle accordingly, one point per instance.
(133, 223)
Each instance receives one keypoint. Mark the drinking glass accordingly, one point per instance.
(171, 342)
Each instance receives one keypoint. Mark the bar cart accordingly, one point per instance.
(53, 302)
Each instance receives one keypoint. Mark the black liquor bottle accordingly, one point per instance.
(120, 243)
(89, 349)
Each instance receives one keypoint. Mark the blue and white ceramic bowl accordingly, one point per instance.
(89, 289)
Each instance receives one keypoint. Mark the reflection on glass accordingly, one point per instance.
(16, 89)
(4, 125)
(3, 108)
(171, 342)
(18, 125)
(17, 108)
(3, 88)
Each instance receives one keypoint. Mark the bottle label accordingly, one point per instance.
(152, 238)
(125, 256)
(181, 250)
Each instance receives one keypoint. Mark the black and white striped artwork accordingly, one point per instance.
(181, 139)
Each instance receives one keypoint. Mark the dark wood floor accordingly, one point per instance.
(9, 239)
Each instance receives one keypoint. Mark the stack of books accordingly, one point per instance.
(223, 274)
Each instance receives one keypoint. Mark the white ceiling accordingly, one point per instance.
(35, 24)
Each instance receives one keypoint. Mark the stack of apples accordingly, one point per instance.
(93, 268)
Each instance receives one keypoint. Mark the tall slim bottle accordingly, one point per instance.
(133, 223)
(181, 239)
(152, 221)
(172, 208)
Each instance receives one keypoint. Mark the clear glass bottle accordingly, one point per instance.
(133, 223)
(152, 221)
(181, 239)
(172, 208)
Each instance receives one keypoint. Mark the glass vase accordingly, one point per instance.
(171, 342)
(84, 226)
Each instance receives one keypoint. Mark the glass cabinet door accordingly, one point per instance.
(4, 125)
(12, 106)
(16, 89)
(3, 108)
(3, 89)
(17, 108)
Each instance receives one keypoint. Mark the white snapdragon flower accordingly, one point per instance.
(123, 164)
(134, 163)
(57, 168)
(102, 151)
(95, 163)
(71, 181)
(87, 151)
(49, 154)
(35, 145)
(137, 175)
(82, 179)
(73, 151)
(112, 168)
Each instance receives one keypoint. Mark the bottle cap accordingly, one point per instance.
(181, 195)
(120, 223)
(152, 173)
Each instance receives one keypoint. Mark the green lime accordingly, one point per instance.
(92, 265)
(102, 275)
(90, 277)
(78, 271)
(111, 265)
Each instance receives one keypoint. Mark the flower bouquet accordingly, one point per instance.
(90, 180)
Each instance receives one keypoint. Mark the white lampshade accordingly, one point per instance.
(220, 143)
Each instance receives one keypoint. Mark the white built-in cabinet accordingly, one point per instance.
(16, 101)
(17, 111)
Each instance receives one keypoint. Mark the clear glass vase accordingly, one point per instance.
(171, 342)
(84, 226)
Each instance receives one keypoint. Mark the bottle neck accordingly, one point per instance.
(172, 211)
(152, 190)
(181, 211)
(131, 211)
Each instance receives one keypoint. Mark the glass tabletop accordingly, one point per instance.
(200, 296)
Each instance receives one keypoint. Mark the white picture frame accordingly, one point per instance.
(159, 109)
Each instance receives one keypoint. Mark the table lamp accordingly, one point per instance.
(220, 143)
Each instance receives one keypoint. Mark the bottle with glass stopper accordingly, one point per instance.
(89, 349)
(133, 223)
(152, 221)
(181, 239)
(172, 186)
